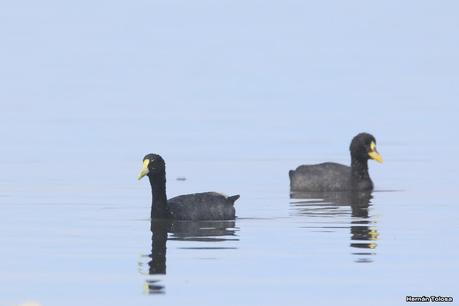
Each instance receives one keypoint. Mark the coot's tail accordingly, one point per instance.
(233, 198)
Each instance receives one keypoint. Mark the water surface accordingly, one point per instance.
(232, 94)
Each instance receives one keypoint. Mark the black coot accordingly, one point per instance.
(197, 206)
(336, 177)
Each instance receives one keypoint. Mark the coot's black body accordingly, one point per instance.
(336, 177)
(327, 177)
(202, 206)
(197, 206)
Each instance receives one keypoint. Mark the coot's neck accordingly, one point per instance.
(159, 209)
(359, 170)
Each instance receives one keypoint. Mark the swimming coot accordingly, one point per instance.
(197, 206)
(337, 177)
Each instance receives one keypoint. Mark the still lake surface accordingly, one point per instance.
(231, 106)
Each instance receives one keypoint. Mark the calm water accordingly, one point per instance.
(232, 94)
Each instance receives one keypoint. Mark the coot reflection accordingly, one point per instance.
(335, 205)
(210, 232)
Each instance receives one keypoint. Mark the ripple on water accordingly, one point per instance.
(330, 212)
(211, 233)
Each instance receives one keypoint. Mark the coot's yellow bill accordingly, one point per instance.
(374, 154)
(144, 170)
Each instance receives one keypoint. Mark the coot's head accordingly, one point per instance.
(152, 164)
(363, 147)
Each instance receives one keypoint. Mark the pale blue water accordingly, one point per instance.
(232, 94)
